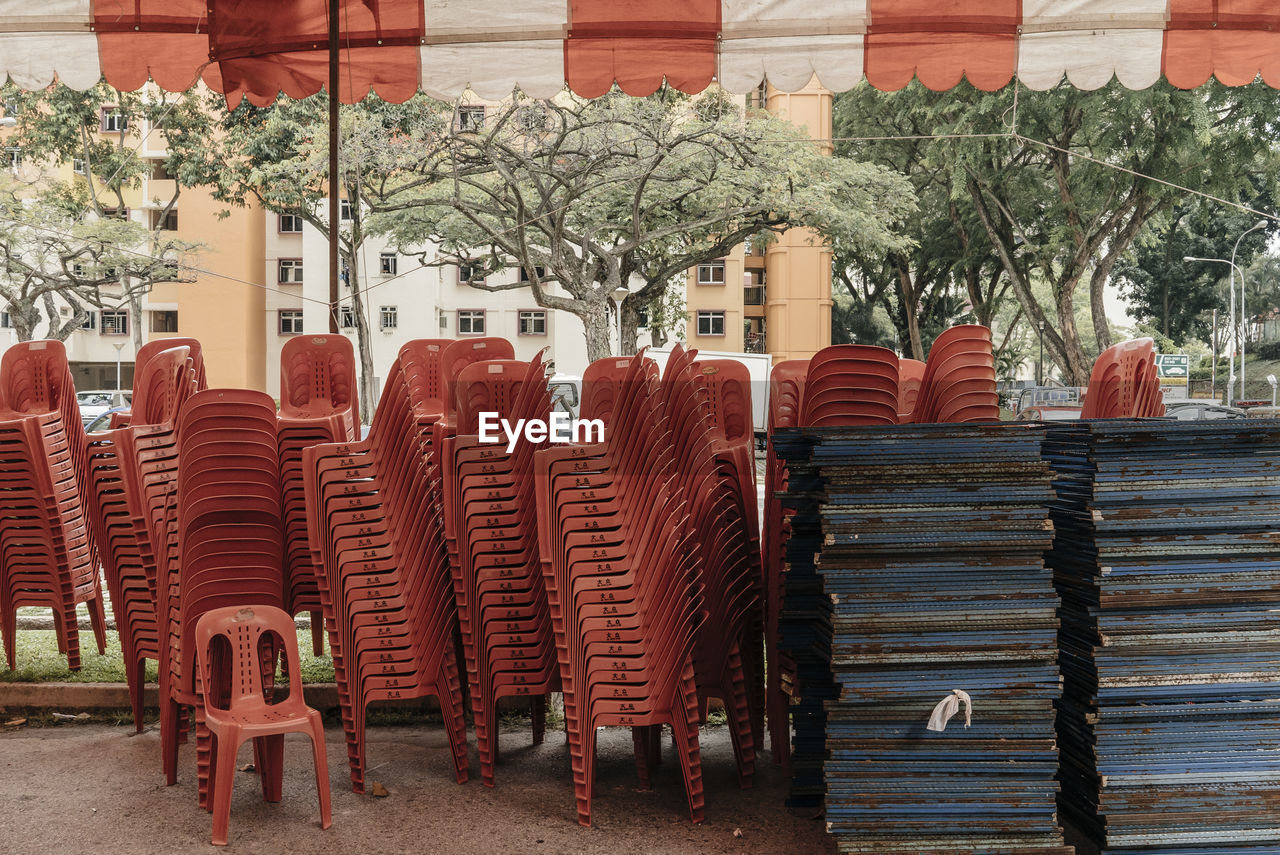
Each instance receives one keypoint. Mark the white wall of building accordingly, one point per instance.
(426, 301)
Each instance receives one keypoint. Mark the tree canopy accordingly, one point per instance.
(583, 195)
(1063, 199)
(64, 238)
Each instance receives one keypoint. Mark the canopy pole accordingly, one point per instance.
(334, 207)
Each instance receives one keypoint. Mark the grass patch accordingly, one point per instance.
(38, 660)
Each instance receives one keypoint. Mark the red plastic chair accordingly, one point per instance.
(1124, 383)
(246, 713)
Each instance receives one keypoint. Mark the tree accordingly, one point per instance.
(1050, 200)
(53, 255)
(584, 195)
(278, 157)
(949, 252)
(68, 241)
(1176, 297)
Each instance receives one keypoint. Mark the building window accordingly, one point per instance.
(344, 210)
(164, 321)
(160, 171)
(710, 323)
(114, 121)
(470, 120)
(6, 320)
(13, 156)
(115, 213)
(533, 322)
(289, 270)
(289, 224)
(537, 269)
(346, 318)
(471, 322)
(642, 319)
(78, 166)
(387, 264)
(711, 273)
(90, 322)
(388, 318)
(115, 322)
(290, 322)
(470, 273)
(166, 221)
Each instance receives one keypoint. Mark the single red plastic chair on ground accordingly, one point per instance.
(246, 713)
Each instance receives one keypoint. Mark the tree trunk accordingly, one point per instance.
(1077, 367)
(135, 311)
(24, 316)
(595, 322)
(364, 349)
(630, 328)
(911, 311)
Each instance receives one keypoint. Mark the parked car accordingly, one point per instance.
(95, 402)
(103, 422)
(1048, 396)
(1050, 413)
(1196, 411)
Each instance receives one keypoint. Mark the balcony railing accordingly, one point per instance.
(753, 295)
(754, 343)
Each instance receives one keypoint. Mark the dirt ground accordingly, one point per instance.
(97, 788)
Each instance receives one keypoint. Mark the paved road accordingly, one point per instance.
(97, 788)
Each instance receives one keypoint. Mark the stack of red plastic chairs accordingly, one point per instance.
(910, 376)
(492, 526)
(704, 403)
(621, 566)
(851, 384)
(318, 404)
(131, 470)
(374, 522)
(49, 558)
(959, 383)
(224, 546)
(786, 393)
(1124, 383)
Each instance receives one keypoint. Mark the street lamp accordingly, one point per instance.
(1231, 373)
(1244, 330)
(118, 347)
(1040, 363)
(619, 295)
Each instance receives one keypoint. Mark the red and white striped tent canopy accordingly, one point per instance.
(258, 48)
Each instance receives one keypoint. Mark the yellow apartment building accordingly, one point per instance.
(223, 307)
(778, 300)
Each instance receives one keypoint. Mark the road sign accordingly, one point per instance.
(1173, 366)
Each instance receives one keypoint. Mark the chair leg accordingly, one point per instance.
(168, 736)
(455, 723)
(322, 769)
(538, 715)
(9, 632)
(228, 743)
(98, 620)
(269, 754)
(137, 670)
(317, 633)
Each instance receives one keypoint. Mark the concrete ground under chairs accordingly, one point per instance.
(98, 788)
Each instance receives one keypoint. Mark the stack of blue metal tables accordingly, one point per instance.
(916, 569)
(1168, 565)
